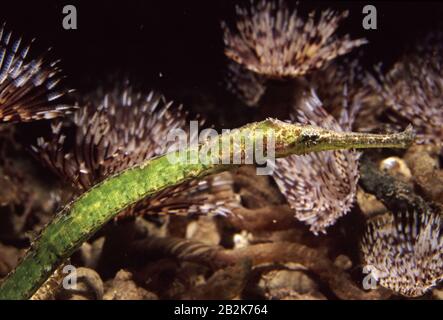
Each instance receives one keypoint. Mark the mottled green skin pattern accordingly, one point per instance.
(88, 213)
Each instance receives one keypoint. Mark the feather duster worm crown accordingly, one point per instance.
(404, 251)
(271, 40)
(121, 128)
(412, 91)
(29, 88)
(320, 187)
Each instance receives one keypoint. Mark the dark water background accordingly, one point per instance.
(176, 46)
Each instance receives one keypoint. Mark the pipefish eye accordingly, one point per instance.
(310, 137)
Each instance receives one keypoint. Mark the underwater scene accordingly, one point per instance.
(221, 150)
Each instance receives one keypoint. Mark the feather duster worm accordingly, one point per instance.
(29, 88)
(117, 130)
(271, 40)
(342, 84)
(404, 252)
(412, 91)
(320, 187)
